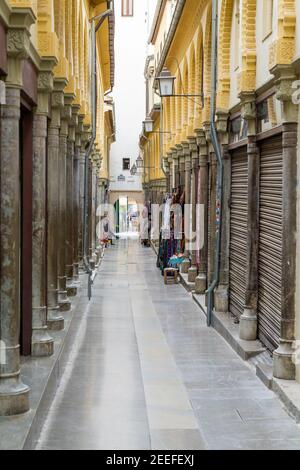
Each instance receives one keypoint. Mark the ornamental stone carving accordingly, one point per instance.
(18, 43)
(45, 81)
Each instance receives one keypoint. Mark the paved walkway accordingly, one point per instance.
(144, 372)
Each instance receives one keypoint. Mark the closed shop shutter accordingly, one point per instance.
(270, 242)
(238, 231)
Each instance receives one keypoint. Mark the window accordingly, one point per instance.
(268, 8)
(238, 129)
(268, 114)
(127, 7)
(126, 164)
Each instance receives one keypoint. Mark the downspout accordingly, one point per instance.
(220, 168)
(91, 143)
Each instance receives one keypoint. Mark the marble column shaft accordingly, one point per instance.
(76, 205)
(248, 321)
(70, 210)
(14, 395)
(55, 319)
(213, 187)
(222, 291)
(64, 302)
(42, 343)
(81, 203)
(202, 199)
(284, 365)
(193, 271)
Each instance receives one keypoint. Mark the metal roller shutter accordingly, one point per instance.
(270, 242)
(238, 231)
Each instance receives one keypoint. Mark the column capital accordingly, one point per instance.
(285, 76)
(222, 121)
(45, 86)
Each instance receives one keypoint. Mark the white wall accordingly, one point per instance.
(129, 92)
(262, 46)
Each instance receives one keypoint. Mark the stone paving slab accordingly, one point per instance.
(148, 373)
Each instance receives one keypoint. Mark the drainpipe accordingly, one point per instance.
(218, 152)
(90, 145)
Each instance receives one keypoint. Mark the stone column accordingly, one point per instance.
(175, 168)
(212, 214)
(222, 291)
(181, 166)
(70, 211)
(64, 302)
(248, 321)
(76, 205)
(187, 167)
(167, 169)
(193, 270)
(284, 365)
(13, 393)
(81, 204)
(55, 319)
(201, 279)
(90, 211)
(171, 172)
(42, 343)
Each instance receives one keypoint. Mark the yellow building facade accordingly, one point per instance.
(255, 115)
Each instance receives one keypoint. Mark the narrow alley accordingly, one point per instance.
(145, 372)
(150, 227)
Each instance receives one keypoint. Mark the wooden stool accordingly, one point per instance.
(170, 276)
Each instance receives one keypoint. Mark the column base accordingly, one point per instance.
(72, 289)
(92, 264)
(221, 299)
(185, 266)
(14, 397)
(42, 345)
(192, 274)
(56, 322)
(200, 284)
(283, 362)
(65, 306)
(248, 325)
(76, 272)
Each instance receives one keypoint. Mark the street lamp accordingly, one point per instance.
(140, 163)
(166, 83)
(133, 170)
(148, 125)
